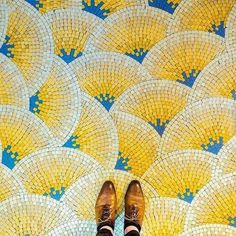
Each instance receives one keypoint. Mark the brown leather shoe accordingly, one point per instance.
(134, 203)
(106, 205)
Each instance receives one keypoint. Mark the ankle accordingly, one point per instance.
(131, 228)
(107, 228)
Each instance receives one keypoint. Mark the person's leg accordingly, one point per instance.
(134, 209)
(106, 210)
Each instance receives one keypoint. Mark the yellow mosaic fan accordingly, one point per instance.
(175, 176)
(32, 215)
(9, 184)
(227, 157)
(104, 8)
(58, 101)
(210, 230)
(13, 90)
(205, 125)
(132, 31)
(230, 34)
(204, 15)
(95, 133)
(28, 43)
(165, 217)
(107, 75)
(81, 197)
(160, 102)
(216, 80)
(50, 172)
(80, 227)
(214, 204)
(70, 28)
(21, 133)
(3, 20)
(44, 6)
(182, 56)
(138, 143)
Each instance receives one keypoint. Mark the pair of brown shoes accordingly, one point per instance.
(106, 205)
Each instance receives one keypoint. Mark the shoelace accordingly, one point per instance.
(106, 213)
(133, 214)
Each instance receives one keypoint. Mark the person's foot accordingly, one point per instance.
(106, 206)
(134, 206)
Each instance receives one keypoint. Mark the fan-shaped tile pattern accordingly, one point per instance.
(210, 230)
(58, 101)
(204, 15)
(95, 133)
(81, 197)
(9, 184)
(21, 133)
(230, 35)
(81, 227)
(205, 125)
(182, 56)
(107, 75)
(227, 157)
(216, 80)
(50, 172)
(71, 29)
(4, 20)
(29, 44)
(160, 102)
(138, 143)
(13, 90)
(166, 5)
(132, 31)
(32, 215)
(175, 176)
(104, 8)
(44, 6)
(165, 216)
(214, 204)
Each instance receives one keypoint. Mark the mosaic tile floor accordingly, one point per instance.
(92, 90)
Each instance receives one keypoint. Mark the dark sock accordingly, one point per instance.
(133, 233)
(104, 232)
(132, 223)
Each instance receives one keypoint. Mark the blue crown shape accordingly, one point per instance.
(69, 57)
(138, 54)
(218, 29)
(72, 142)
(232, 221)
(189, 79)
(187, 196)
(55, 193)
(213, 146)
(35, 102)
(7, 47)
(159, 125)
(35, 3)
(97, 10)
(166, 5)
(106, 100)
(9, 158)
(122, 163)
